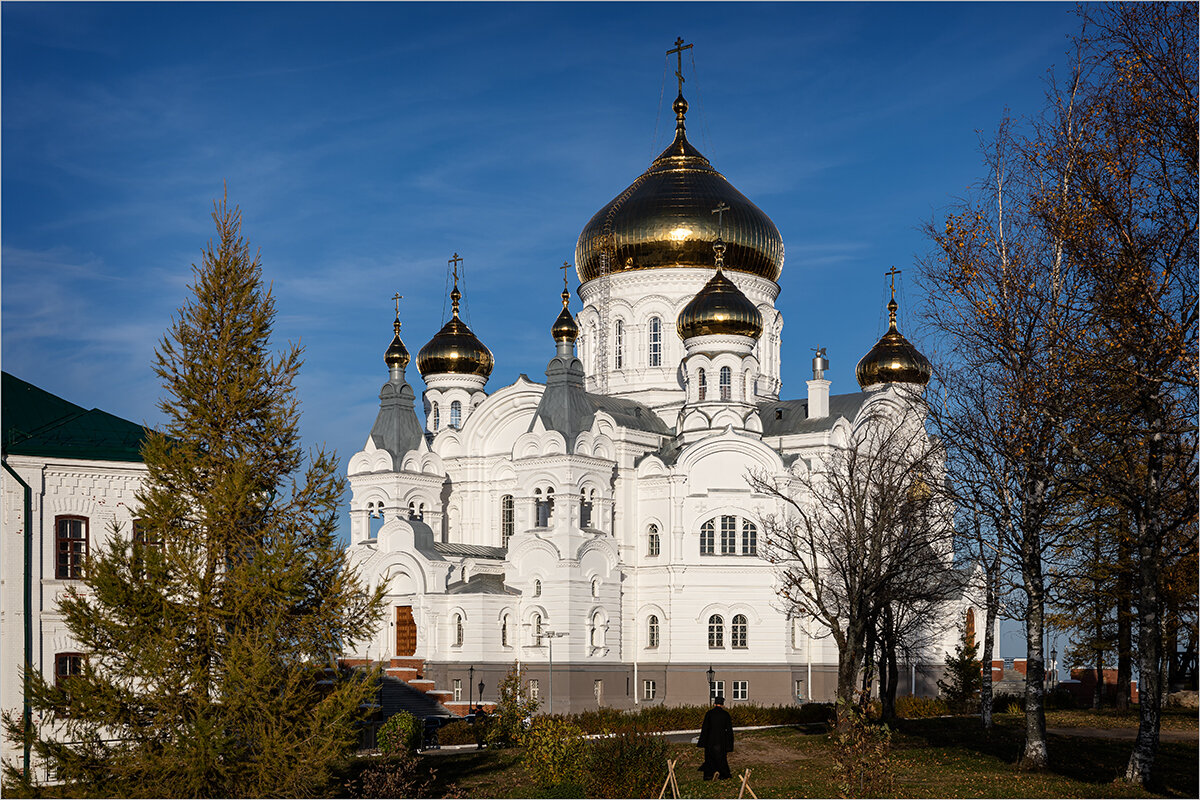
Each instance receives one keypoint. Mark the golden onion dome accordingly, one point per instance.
(719, 308)
(664, 220)
(455, 349)
(397, 353)
(564, 328)
(893, 359)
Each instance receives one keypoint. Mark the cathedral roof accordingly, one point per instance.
(719, 308)
(664, 219)
(783, 417)
(482, 584)
(455, 349)
(893, 359)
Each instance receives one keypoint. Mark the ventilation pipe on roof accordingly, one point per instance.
(818, 387)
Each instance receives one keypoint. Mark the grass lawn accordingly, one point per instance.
(947, 757)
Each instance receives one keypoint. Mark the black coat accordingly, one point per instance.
(716, 734)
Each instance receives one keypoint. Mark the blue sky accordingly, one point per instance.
(367, 143)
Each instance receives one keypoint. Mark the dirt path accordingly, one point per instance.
(1123, 733)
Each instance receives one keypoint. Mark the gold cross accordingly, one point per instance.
(566, 266)
(455, 262)
(720, 212)
(678, 52)
(893, 272)
(397, 297)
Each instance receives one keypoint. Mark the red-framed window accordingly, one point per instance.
(67, 665)
(71, 546)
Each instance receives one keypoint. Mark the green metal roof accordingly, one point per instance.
(37, 423)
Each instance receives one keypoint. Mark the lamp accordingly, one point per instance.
(1053, 666)
(481, 691)
(710, 675)
(470, 686)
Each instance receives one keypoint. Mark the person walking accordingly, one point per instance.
(716, 737)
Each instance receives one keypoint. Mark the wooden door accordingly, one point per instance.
(406, 632)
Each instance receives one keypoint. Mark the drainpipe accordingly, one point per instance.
(26, 523)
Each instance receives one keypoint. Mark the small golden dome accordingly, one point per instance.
(664, 220)
(397, 353)
(565, 329)
(455, 349)
(719, 308)
(893, 359)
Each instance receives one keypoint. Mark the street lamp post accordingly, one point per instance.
(470, 686)
(1053, 667)
(710, 675)
(481, 692)
(552, 635)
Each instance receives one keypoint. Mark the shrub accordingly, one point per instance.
(628, 764)
(554, 752)
(916, 707)
(457, 732)
(400, 733)
(402, 774)
(1059, 699)
(507, 723)
(862, 756)
(963, 679)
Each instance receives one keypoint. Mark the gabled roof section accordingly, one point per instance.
(469, 550)
(783, 417)
(483, 584)
(38, 423)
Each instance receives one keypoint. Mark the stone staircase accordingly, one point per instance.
(405, 688)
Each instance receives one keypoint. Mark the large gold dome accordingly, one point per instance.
(664, 219)
(893, 359)
(455, 349)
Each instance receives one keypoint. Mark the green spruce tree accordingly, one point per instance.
(964, 677)
(212, 629)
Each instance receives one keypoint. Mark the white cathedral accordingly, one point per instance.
(598, 528)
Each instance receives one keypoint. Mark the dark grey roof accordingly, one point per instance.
(781, 417)
(567, 408)
(469, 550)
(396, 428)
(482, 584)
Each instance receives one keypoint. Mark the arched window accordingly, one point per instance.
(708, 538)
(504, 631)
(595, 587)
(455, 414)
(412, 510)
(728, 535)
(701, 385)
(459, 633)
(716, 632)
(507, 523)
(749, 538)
(537, 587)
(596, 636)
(421, 511)
(619, 344)
(587, 501)
(543, 504)
(653, 543)
(537, 628)
(655, 342)
(746, 387)
(437, 416)
(652, 632)
(726, 383)
(739, 632)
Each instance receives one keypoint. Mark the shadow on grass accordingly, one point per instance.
(1088, 760)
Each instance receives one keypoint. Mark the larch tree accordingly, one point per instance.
(212, 629)
(856, 526)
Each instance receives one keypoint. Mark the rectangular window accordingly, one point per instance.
(619, 344)
(458, 690)
(67, 665)
(534, 694)
(71, 535)
(728, 536)
(716, 689)
(144, 544)
(741, 690)
(649, 689)
(598, 690)
(799, 690)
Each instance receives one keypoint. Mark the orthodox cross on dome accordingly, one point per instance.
(566, 292)
(720, 212)
(396, 298)
(454, 262)
(892, 273)
(678, 53)
(455, 294)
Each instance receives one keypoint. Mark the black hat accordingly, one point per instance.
(719, 700)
